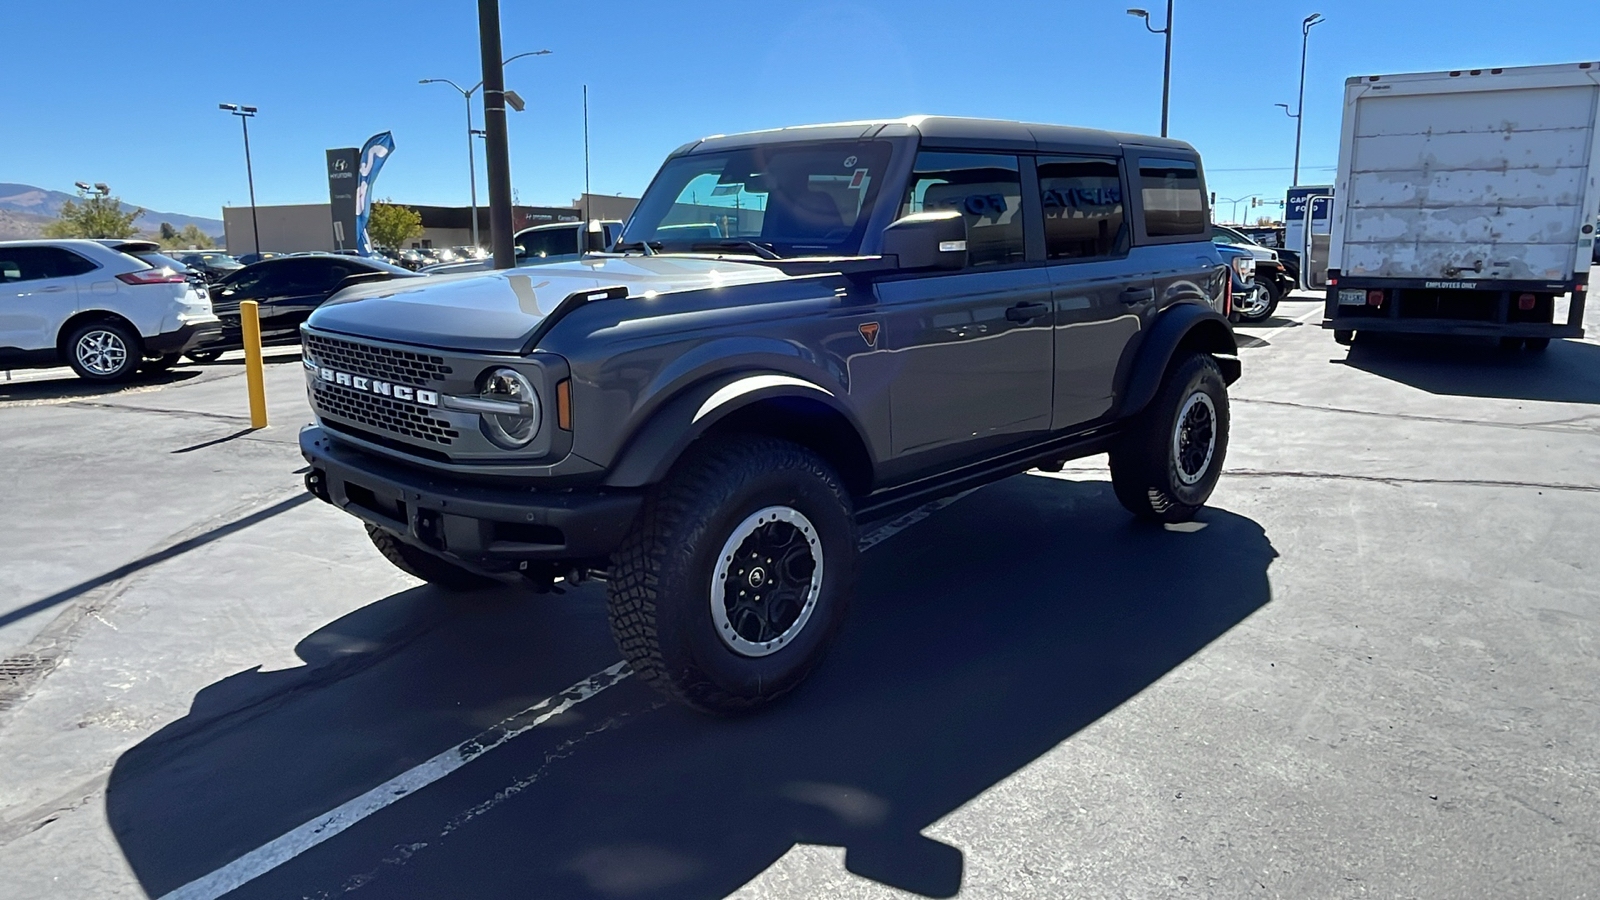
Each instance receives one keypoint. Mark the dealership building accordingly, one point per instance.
(310, 226)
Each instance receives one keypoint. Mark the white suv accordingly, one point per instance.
(105, 307)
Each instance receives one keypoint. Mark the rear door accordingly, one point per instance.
(38, 292)
(1087, 239)
(973, 348)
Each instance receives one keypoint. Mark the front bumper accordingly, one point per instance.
(186, 337)
(491, 525)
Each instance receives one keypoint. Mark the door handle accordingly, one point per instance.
(1137, 295)
(1027, 312)
(52, 289)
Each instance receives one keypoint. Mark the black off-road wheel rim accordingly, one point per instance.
(766, 581)
(1194, 438)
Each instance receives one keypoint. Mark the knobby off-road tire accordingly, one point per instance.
(1165, 467)
(737, 574)
(424, 565)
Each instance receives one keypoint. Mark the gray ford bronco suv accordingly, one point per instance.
(798, 331)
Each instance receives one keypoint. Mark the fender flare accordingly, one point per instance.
(1185, 326)
(654, 448)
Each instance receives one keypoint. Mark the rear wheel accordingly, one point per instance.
(104, 351)
(737, 575)
(204, 356)
(421, 564)
(1343, 336)
(1165, 467)
(1536, 345)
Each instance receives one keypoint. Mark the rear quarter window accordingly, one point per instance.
(1173, 197)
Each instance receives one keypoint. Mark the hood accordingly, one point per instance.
(496, 311)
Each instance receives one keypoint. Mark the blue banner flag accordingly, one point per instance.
(373, 153)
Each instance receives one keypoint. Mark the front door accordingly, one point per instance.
(38, 292)
(973, 349)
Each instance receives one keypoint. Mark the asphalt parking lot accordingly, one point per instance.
(1368, 670)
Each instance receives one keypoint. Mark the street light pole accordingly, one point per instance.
(1166, 69)
(472, 163)
(245, 113)
(1300, 108)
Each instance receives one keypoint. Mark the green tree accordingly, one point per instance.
(390, 225)
(95, 217)
(190, 238)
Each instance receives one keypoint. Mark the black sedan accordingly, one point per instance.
(287, 289)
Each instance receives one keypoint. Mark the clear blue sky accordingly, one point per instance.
(127, 93)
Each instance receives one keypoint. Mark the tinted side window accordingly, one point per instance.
(1083, 213)
(547, 243)
(986, 188)
(1174, 204)
(37, 263)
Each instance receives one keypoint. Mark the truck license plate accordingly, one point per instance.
(1352, 297)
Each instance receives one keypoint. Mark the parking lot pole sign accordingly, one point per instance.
(494, 124)
(342, 164)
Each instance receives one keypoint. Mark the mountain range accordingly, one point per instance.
(25, 210)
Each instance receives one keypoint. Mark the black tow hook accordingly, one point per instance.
(317, 484)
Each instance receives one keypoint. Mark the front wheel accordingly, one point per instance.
(737, 574)
(104, 352)
(1259, 304)
(1536, 345)
(1165, 467)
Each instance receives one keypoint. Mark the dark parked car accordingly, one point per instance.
(246, 259)
(211, 265)
(888, 312)
(287, 289)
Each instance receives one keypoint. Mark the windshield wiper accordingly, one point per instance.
(644, 246)
(761, 250)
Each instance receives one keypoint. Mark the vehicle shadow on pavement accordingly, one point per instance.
(981, 639)
(71, 386)
(1568, 372)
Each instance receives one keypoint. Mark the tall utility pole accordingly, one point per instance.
(1166, 71)
(245, 114)
(496, 148)
(1300, 107)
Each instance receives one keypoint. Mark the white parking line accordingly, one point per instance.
(269, 856)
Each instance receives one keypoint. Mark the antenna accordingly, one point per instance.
(587, 203)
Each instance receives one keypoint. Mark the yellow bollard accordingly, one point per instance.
(250, 321)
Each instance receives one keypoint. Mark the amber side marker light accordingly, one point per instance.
(564, 404)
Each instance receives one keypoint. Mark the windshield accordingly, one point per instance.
(790, 199)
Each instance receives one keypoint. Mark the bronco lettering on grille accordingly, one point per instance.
(381, 388)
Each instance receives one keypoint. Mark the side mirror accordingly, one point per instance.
(927, 240)
(594, 237)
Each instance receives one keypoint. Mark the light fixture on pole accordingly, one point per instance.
(1166, 71)
(245, 114)
(472, 165)
(1305, 40)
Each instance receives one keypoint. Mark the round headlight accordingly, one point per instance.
(511, 431)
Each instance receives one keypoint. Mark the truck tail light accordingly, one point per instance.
(151, 276)
(1374, 298)
(1333, 282)
(1525, 302)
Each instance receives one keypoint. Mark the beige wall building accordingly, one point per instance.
(309, 226)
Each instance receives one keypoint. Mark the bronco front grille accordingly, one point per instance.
(398, 366)
(384, 413)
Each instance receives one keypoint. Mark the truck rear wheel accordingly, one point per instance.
(1165, 467)
(419, 563)
(1344, 336)
(737, 574)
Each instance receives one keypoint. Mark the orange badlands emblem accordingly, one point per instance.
(869, 333)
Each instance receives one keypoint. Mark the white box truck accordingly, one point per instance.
(1466, 203)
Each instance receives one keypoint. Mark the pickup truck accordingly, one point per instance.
(799, 331)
